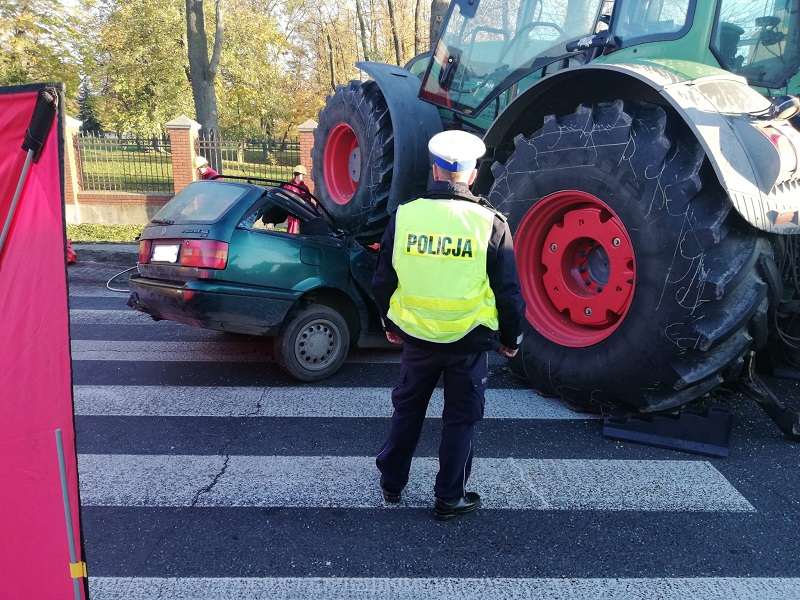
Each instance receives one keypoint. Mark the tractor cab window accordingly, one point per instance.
(488, 45)
(637, 21)
(759, 40)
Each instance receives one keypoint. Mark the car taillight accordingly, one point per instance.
(206, 254)
(144, 251)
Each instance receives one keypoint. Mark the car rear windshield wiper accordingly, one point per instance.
(163, 221)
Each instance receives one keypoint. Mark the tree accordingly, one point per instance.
(86, 114)
(438, 11)
(395, 33)
(202, 70)
(141, 81)
(41, 42)
(253, 83)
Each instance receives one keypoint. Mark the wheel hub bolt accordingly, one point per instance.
(581, 269)
(587, 311)
(587, 281)
(598, 289)
(582, 255)
(553, 247)
(615, 242)
(591, 243)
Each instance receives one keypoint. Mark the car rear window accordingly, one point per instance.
(201, 202)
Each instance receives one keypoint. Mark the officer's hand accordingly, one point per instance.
(506, 351)
(393, 337)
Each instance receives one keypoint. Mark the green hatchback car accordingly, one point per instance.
(219, 256)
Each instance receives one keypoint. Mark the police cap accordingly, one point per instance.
(456, 150)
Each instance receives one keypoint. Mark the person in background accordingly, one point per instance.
(298, 186)
(447, 288)
(203, 170)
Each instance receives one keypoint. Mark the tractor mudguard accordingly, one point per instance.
(718, 111)
(414, 123)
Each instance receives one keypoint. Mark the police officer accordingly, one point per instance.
(446, 283)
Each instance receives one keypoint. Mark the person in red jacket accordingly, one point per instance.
(298, 186)
(203, 170)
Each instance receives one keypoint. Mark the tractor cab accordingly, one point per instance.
(488, 52)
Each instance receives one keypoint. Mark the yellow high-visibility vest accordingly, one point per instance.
(439, 254)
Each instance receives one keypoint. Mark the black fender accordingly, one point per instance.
(717, 109)
(414, 122)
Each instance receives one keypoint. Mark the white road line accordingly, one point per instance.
(368, 588)
(157, 401)
(85, 316)
(258, 350)
(89, 290)
(352, 482)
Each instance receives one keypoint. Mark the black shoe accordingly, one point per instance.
(445, 510)
(390, 495)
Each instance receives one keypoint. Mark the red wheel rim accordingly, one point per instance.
(577, 268)
(342, 163)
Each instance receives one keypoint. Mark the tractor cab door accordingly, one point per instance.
(487, 47)
(759, 40)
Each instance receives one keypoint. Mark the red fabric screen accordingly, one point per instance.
(35, 371)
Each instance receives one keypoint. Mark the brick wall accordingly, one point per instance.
(306, 131)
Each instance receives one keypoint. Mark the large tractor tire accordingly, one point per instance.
(353, 159)
(643, 287)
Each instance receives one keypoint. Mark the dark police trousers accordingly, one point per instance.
(465, 377)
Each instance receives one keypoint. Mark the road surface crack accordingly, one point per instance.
(210, 486)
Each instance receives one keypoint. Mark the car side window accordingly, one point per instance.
(271, 217)
(265, 217)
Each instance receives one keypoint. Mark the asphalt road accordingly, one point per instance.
(208, 473)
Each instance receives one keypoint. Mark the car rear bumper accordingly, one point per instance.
(211, 306)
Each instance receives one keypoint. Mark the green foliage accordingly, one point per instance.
(251, 82)
(40, 42)
(131, 55)
(142, 77)
(103, 233)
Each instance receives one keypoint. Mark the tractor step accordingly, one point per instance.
(707, 432)
(786, 417)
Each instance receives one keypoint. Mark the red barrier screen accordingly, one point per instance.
(35, 371)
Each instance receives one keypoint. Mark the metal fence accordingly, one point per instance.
(125, 164)
(271, 158)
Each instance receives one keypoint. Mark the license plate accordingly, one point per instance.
(165, 253)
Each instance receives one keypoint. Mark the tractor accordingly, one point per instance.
(645, 156)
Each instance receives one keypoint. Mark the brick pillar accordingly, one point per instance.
(72, 180)
(306, 131)
(183, 140)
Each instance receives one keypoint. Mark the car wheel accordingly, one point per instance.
(313, 343)
(643, 286)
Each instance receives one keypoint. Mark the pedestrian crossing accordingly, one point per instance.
(207, 473)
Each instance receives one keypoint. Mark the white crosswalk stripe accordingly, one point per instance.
(200, 401)
(350, 482)
(86, 316)
(259, 350)
(362, 588)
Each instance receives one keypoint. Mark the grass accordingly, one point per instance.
(103, 233)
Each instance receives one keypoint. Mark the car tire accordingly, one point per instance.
(353, 159)
(313, 343)
(643, 286)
